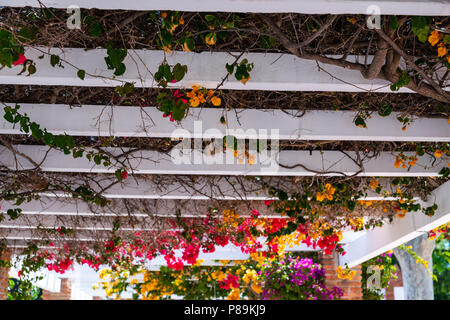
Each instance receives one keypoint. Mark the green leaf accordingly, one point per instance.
(394, 23)
(385, 110)
(421, 27)
(230, 68)
(54, 60)
(209, 17)
(81, 74)
(179, 71)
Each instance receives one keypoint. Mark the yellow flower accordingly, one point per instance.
(216, 101)
(256, 288)
(195, 102)
(442, 51)
(434, 37)
(438, 153)
(319, 196)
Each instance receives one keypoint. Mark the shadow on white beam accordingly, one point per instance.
(387, 7)
(284, 163)
(272, 71)
(391, 235)
(97, 120)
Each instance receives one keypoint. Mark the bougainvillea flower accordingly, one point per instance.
(21, 60)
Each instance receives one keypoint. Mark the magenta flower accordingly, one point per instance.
(21, 60)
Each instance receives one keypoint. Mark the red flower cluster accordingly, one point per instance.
(231, 281)
(60, 266)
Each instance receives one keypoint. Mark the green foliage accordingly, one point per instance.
(125, 89)
(243, 70)
(114, 60)
(81, 74)
(384, 266)
(385, 110)
(23, 290)
(441, 268)
(167, 74)
(9, 48)
(421, 27)
(402, 81)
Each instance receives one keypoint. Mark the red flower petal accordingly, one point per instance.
(21, 60)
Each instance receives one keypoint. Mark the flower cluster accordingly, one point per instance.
(200, 95)
(441, 40)
(326, 194)
(294, 278)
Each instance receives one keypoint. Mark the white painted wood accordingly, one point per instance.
(75, 208)
(327, 163)
(271, 72)
(391, 235)
(49, 281)
(402, 7)
(122, 121)
(198, 188)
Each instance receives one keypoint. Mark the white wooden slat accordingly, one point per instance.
(389, 236)
(399, 7)
(122, 121)
(327, 163)
(198, 188)
(75, 208)
(272, 71)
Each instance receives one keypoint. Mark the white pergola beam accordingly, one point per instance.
(75, 208)
(96, 120)
(387, 7)
(401, 230)
(272, 71)
(327, 163)
(202, 188)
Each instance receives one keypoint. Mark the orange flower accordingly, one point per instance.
(211, 39)
(244, 80)
(397, 162)
(438, 153)
(442, 51)
(434, 37)
(195, 102)
(181, 21)
(185, 47)
(216, 101)
(164, 14)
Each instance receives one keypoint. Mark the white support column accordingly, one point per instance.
(380, 240)
(272, 71)
(96, 120)
(327, 163)
(399, 7)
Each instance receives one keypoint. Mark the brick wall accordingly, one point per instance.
(351, 288)
(4, 283)
(64, 294)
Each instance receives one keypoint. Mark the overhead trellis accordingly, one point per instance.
(98, 128)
